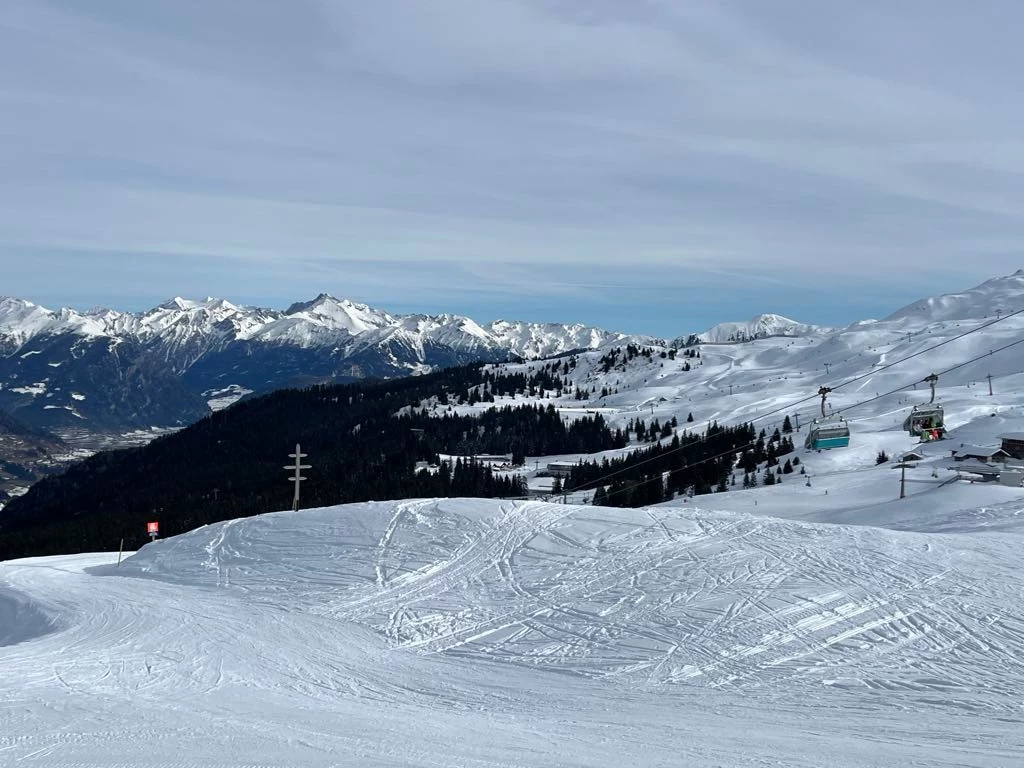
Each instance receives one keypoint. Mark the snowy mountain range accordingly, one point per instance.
(172, 364)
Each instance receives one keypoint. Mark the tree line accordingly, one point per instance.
(688, 464)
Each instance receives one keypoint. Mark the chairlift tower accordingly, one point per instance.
(902, 467)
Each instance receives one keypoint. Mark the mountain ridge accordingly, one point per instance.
(103, 367)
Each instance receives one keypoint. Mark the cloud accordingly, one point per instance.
(531, 147)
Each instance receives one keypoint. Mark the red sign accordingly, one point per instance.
(152, 528)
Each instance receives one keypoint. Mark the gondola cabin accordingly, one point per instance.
(926, 421)
(827, 433)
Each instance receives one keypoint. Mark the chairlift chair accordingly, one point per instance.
(927, 420)
(828, 431)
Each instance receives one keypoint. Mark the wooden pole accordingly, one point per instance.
(120, 549)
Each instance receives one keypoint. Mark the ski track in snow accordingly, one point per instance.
(458, 632)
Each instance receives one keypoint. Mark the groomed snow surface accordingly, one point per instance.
(470, 632)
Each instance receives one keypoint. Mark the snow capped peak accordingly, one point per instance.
(179, 304)
(12, 303)
(14, 310)
(303, 306)
(176, 303)
(456, 323)
(214, 303)
(334, 314)
(20, 320)
(196, 313)
(535, 340)
(759, 327)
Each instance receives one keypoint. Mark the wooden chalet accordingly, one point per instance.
(1013, 444)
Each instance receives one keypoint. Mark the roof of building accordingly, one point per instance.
(1013, 436)
(978, 450)
(974, 467)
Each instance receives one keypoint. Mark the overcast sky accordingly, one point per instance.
(645, 165)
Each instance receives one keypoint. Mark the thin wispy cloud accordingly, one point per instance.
(397, 151)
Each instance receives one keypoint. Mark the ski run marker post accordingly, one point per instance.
(153, 529)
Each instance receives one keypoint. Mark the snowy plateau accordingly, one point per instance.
(820, 621)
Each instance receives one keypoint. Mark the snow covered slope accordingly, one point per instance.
(876, 368)
(471, 632)
(990, 299)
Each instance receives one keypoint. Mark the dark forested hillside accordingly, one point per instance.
(26, 454)
(231, 463)
(687, 464)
